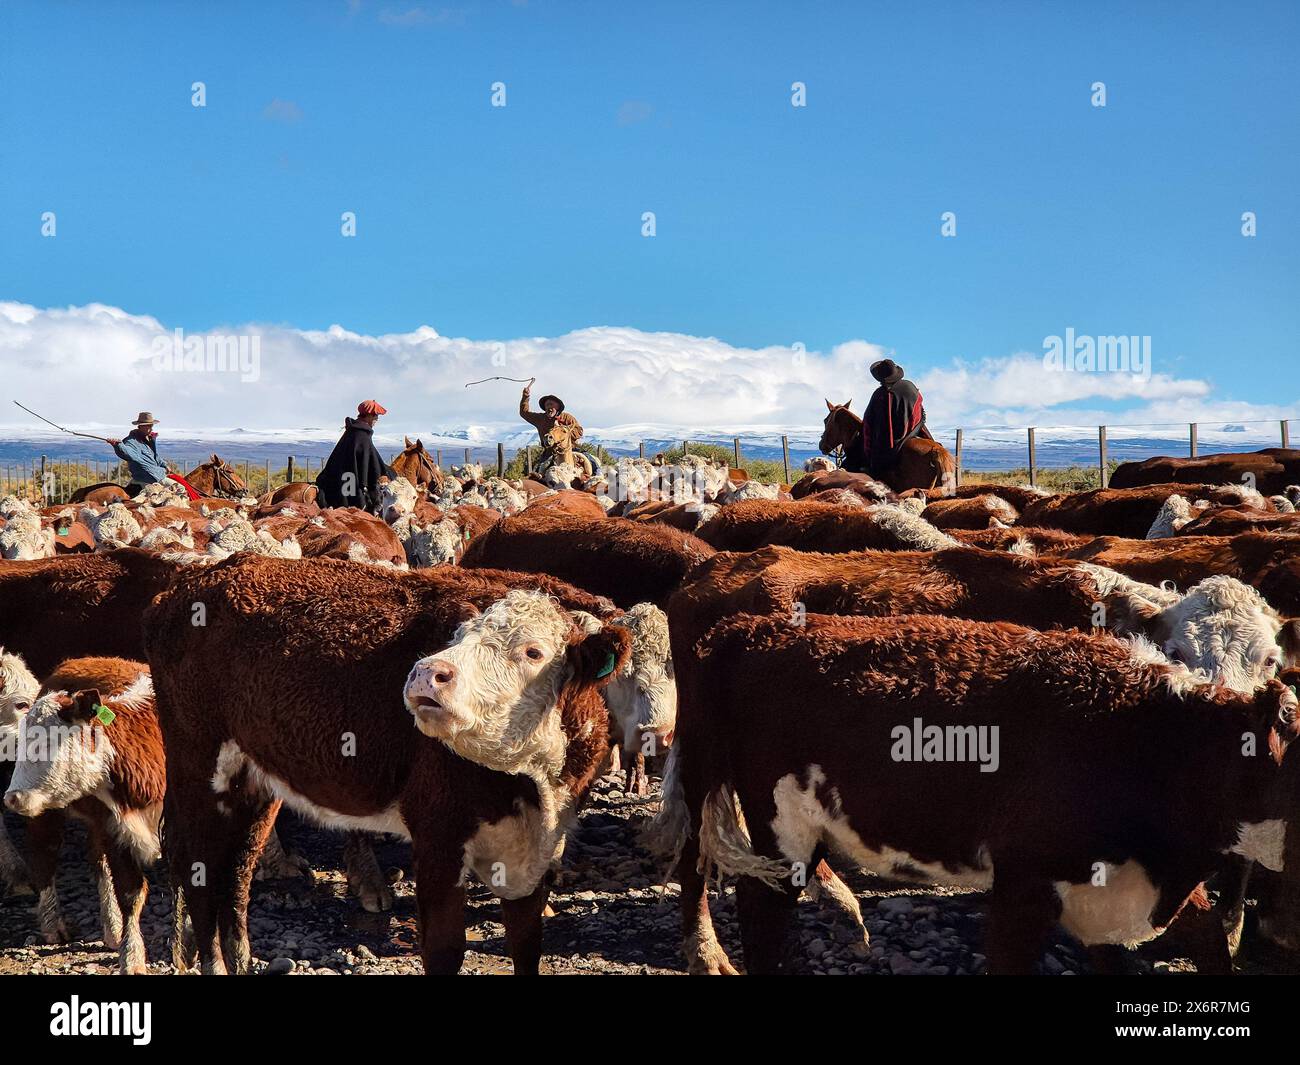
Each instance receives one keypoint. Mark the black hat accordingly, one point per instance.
(558, 402)
(887, 372)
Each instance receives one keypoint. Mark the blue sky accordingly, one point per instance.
(775, 224)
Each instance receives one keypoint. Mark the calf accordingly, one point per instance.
(820, 527)
(18, 689)
(100, 758)
(1045, 715)
(627, 561)
(513, 723)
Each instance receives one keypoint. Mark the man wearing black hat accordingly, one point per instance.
(895, 414)
(552, 415)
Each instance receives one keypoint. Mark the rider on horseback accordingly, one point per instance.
(552, 414)
(139, 450)
(894, 415)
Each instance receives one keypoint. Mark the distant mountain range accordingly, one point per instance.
(982, 448)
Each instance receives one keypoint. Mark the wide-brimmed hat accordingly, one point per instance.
(145, 418)
(887, 372)
(370, 406)
(556, 399)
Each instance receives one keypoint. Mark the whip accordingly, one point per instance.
(517, 380)
(72, 432)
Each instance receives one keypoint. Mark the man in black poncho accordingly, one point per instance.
(894, 415)
(351, 475)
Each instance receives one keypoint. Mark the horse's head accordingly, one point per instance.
(416, 464)
(559, 436)
(839, 428)
(226, 482)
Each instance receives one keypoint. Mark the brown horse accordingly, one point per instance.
(558, 448)
(417, 466)
(217, 478)
(923, 462)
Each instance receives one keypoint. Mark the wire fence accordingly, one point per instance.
(1055, 456)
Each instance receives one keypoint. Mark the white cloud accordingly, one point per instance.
(94, 365)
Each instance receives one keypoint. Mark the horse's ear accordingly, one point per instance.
(848, 403)
(215, 461)
(830, 405)
(407, 440)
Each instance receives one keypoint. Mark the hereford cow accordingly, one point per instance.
(1006, 733)
(1123, 512)
(96, 753)
(513, 724)
(18, 690)
(860, 483)
(1229, 521)
(820, 527)
(1220, 626)
(1269, 470)
(1267, 561)
(568, 501)
(1021, 539)
(627, 561)
(75, 605)
(972, 512)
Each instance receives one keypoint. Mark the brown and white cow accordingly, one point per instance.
(1006, 732)
(630, 562)
(99, 756)
(1124, 512)
(1219, 626)
(973, 512)
(1270, 470)
(514, 730)
(812, 526)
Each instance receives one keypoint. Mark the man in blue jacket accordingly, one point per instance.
(139, 450)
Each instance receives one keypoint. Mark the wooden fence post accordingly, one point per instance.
(43, 481)
(686, 448)
(1192, 438)
(735, 444)
(1101, 456)
(785, 457)
(501, 459)
(528, 458)
(1033, 461)
(288, 475)
(640, 449)
(957, 458)
(1286, 433)
(268, 475)
(467, 456)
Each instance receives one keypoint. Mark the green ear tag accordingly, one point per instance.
(607, 668)
(105, 714)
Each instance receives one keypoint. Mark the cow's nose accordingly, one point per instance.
(16, 801)
(442, 672)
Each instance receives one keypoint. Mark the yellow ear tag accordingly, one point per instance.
(105, 715)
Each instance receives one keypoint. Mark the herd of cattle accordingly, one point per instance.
(1082, 703)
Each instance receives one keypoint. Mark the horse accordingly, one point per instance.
(559, 450)
(417, 466)
(216, 478)
(923, 462)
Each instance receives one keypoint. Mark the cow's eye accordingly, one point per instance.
(535, 653)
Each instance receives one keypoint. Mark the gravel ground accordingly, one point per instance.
(612, 916)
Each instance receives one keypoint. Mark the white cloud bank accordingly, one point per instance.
(94, 366)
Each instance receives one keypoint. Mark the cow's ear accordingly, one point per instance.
(1133, 613)
(1289, 640)
(598, 657)
(79, 707)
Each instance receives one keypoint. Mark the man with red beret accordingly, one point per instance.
(351, 474)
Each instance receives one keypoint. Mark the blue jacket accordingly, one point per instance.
(141, 460)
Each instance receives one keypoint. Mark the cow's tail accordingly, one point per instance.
(698, 796)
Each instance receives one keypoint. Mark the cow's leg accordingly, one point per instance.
(365, 879)
(1022, 910)
(1234, 877)
(278, 863)
(440, 899)
(826, 882)
(252, 820)
(110, 915)
(13, 870)
(523, 921)
(200, 855)
(636, 782)
(765, 920)
(704, 954)
(44, 838)
(131, 889)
